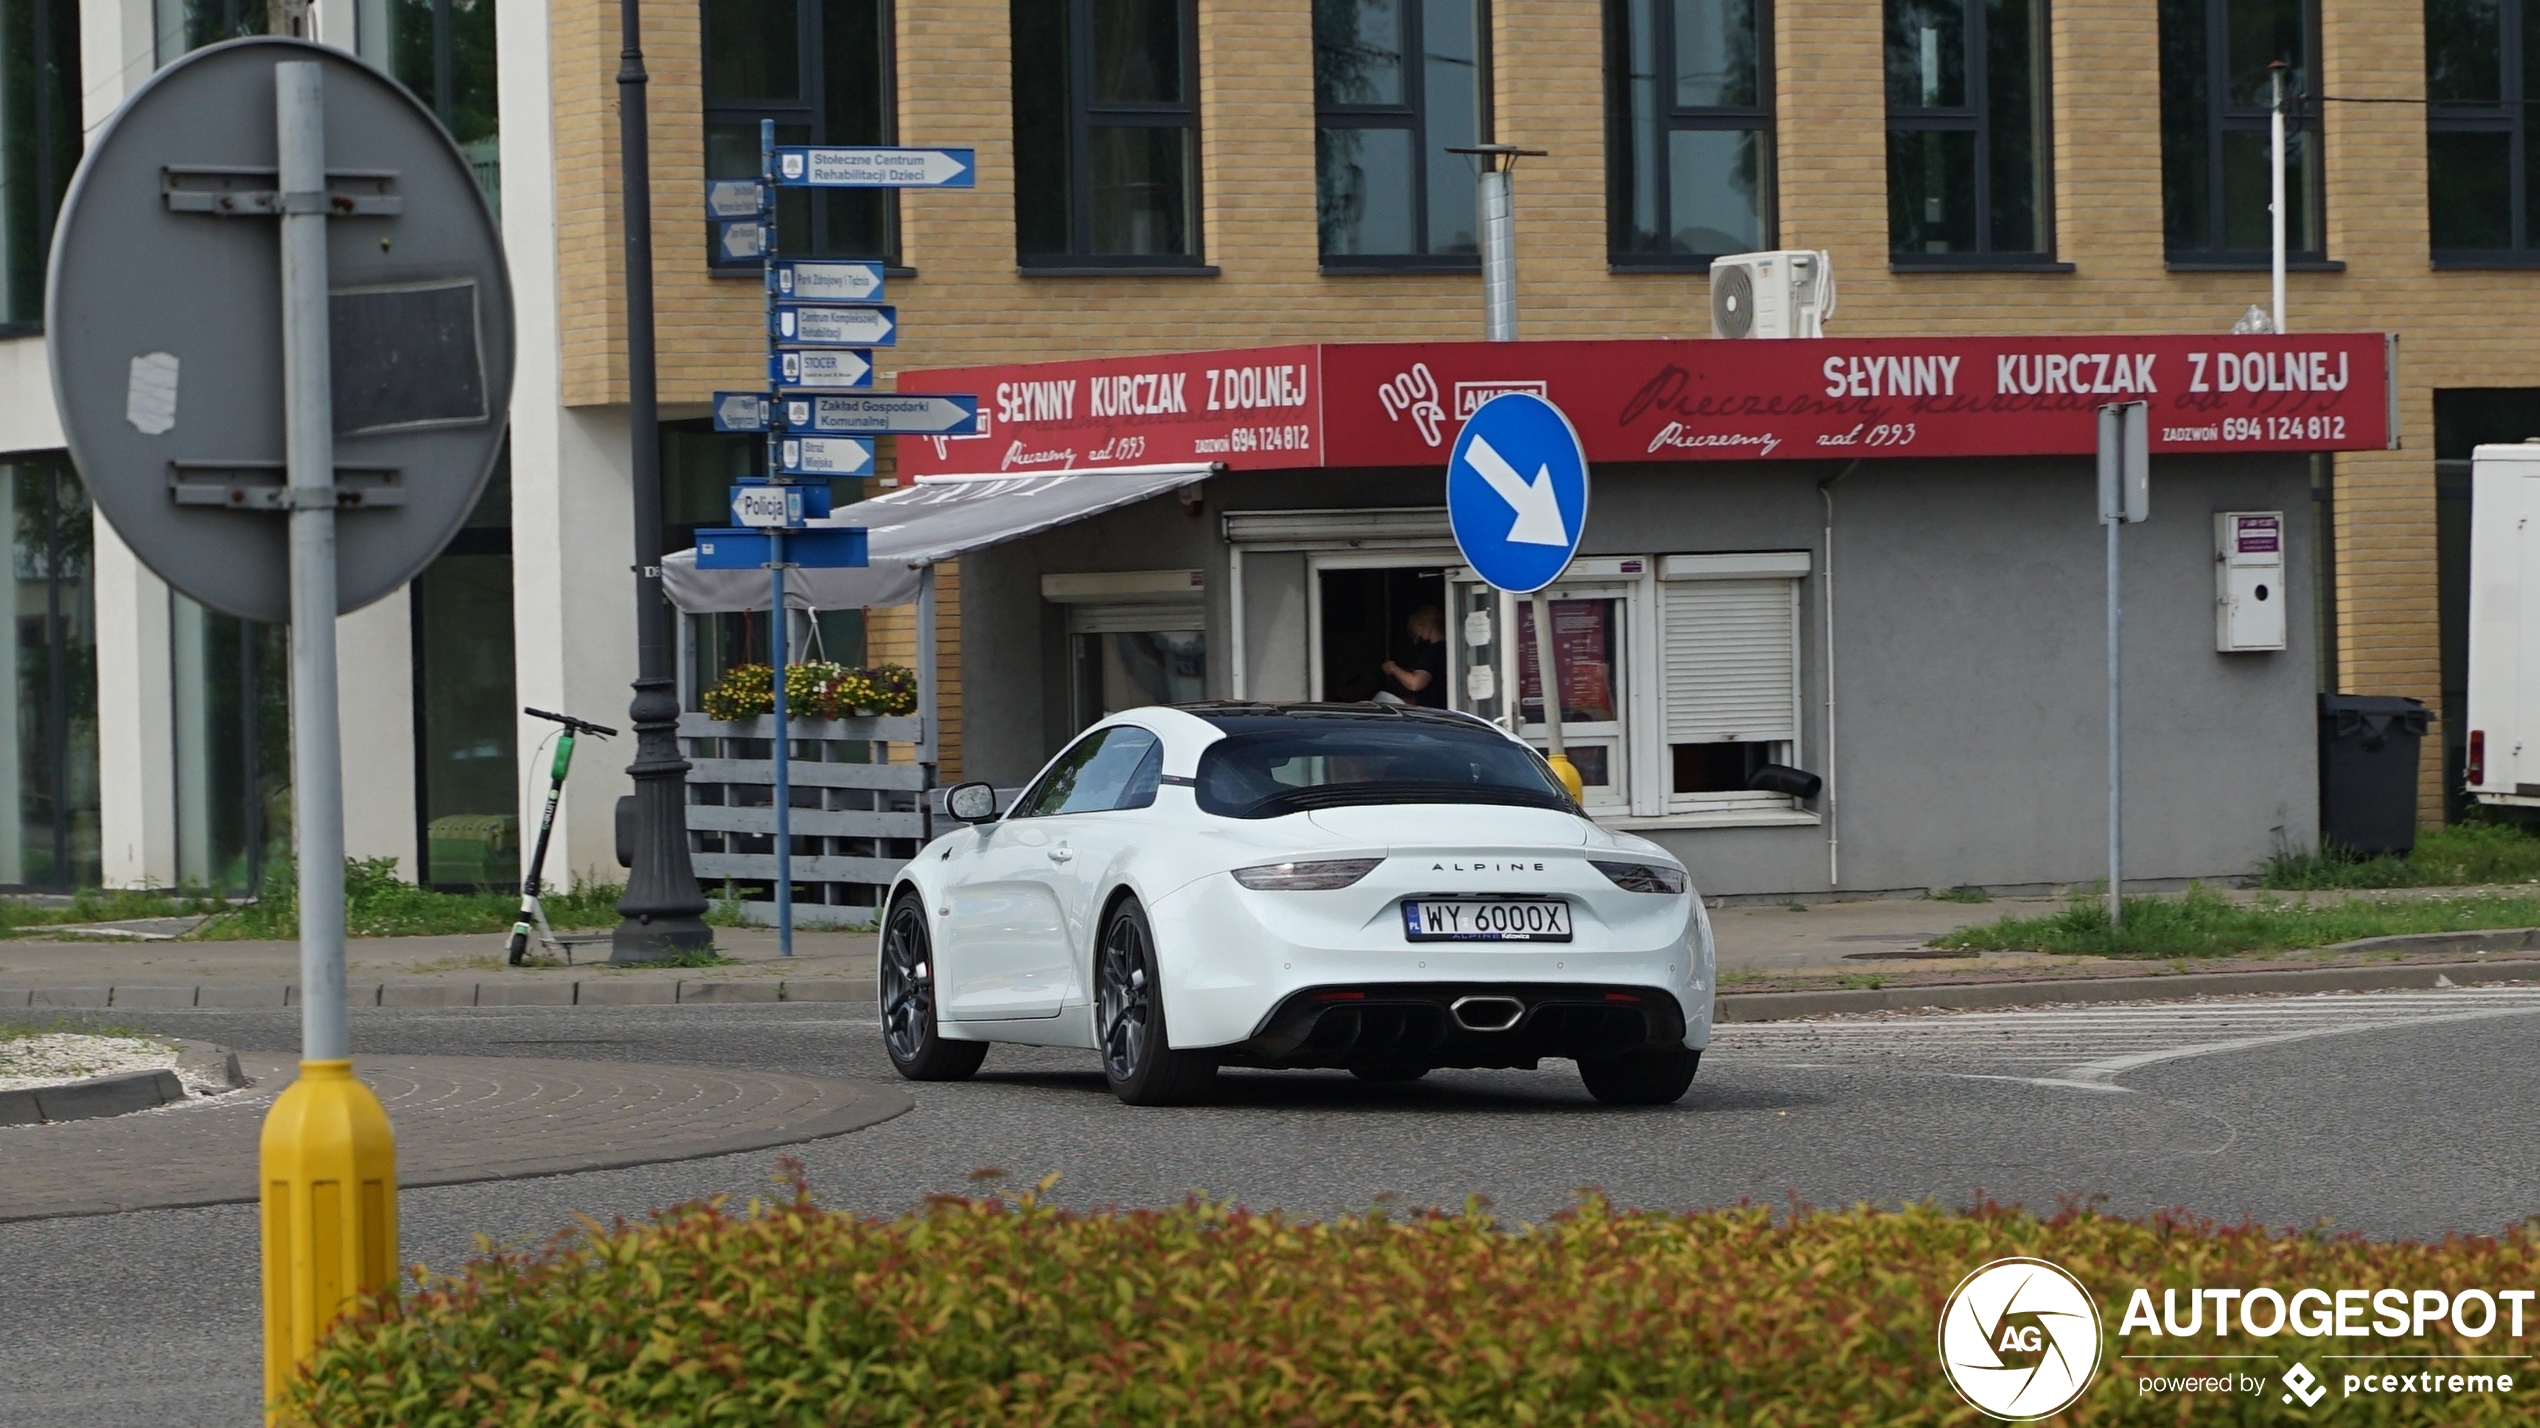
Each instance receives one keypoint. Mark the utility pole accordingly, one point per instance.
(663, 912)
(2125, 497)
(2275, 201)
(1498, 202)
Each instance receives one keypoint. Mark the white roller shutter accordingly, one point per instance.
(1731, 654)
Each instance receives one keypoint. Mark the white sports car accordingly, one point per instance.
(1384, 889)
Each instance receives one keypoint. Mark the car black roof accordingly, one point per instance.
(1241, 716)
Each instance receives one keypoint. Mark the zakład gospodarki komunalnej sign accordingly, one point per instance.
(1401, 404)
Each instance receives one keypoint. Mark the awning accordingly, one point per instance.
(939, 518)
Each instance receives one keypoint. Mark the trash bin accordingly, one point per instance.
(2368, 772)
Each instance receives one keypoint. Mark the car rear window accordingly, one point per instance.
(1266, 774)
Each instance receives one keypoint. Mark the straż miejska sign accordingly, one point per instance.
(1401, 404)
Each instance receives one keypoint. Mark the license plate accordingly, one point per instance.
(1491, 920)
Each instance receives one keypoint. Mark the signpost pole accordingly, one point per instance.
(662, 913)
(780, 637)
(326, 1132)
(2125, 496)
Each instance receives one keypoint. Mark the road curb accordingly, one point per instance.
(250, 996)
(1964, 996)
(87, 1100)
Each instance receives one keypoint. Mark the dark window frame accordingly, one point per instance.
(1084, 114)
(808, 112)
(1759, 119)
(1411, 116)
(2302, 120)
(58, 82)
(2508, 114)
(1975, 116)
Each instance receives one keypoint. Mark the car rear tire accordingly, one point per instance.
(905, 983)
(1652, 1076)
(1138, 1058)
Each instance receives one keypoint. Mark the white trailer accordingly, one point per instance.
(2502, 764)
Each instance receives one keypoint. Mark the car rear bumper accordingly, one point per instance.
(1464, 1024)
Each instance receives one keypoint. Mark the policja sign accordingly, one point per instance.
(325, 400)
(1519, 530)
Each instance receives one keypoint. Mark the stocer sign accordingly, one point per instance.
(1401, 404)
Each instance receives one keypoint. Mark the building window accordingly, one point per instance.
(1967, 152)
(1106, 133)
(184, 26)
(2216, 99)
(233, 747)
(48, 749)
(1397, 83)
(443, 50)
(466, 715)
(822, 70)
(39, 146)
(2479, 189)
(1689, 120)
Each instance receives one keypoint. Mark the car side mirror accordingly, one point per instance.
(972, 802)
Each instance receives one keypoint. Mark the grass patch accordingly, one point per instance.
(1964, 892)
(2463, 854)
(377, 903)
(997, 1312)
(2204, 923)
(1861, 981)
(105, 905)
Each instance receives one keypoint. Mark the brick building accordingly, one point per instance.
(1163, 175)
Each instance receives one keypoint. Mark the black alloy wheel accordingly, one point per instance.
(907, 991)
(1651, 1076)
(1138, 1058)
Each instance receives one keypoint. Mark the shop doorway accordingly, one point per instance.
(1362, 619)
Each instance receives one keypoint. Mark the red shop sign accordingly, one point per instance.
(1400, 404)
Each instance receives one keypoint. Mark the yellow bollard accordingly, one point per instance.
(1568, 773)
(329, 1176)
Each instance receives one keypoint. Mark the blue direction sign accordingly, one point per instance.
(872, 167)
(1517, 492)
(804, 280)
(880, 414)
(815, 548)
(741, 411)
(845, 326)
(825, 456)
(820, 367)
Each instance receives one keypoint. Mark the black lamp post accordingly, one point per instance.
(663, 910)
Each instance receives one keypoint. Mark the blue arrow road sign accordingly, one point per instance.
(732, 198)
(825, 456)
(816, 548)
(1517, 492)
(876, 168)
(846, 326)
(820, 367)
(740, 411)
(804, 280)
(880, 414)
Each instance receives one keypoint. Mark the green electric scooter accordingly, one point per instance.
(530, 911)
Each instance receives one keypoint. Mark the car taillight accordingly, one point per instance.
(1642, 877)
(1306, 877)
(2477, 757)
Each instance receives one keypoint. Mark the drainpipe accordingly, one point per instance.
(1834, 831)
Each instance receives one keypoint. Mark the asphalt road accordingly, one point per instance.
(2397, 1114)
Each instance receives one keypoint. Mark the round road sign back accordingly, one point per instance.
(164, 313)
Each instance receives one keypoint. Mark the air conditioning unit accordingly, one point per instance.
(1781, 294)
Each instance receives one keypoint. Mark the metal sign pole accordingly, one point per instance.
(2125, 497)
(780, 633)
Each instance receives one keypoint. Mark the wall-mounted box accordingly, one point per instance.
(2248, 581)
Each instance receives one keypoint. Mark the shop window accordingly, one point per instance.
(48, 752)
(1689, 130)
(2216, 103)
(1679, 676)
(39, 146)
(1968, 182)
(1134, 638)
(443, 51)
(466, 713)
(2480, 194)
(1397, 83)
(822, 70)
(1106, 133)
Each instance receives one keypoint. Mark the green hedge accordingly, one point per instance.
(984, 1312)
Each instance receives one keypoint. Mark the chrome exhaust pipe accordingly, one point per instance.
(1486, 1013)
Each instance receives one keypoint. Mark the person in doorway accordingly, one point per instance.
(1421, 679)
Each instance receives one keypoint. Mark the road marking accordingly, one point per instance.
(2089, 1048)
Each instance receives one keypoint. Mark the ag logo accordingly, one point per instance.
(2020, 1339)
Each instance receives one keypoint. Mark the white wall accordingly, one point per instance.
(572, 522)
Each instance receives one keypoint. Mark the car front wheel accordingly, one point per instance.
(907, 988)
(1652, 1076)
(1137, 1057)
